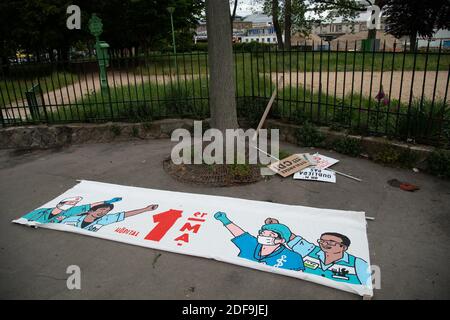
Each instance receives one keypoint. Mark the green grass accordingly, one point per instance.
(195, 63)
(184, 97)
(14, 89)
(144, 102)
(164, 64)
(428, 120)
(175, 97)
(439, 163)
(342, 61)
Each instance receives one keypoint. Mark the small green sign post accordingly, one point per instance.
(101, 48)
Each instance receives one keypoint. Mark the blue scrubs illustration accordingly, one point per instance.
(267, 248)
(98, 216)
(96, 224)
(64, 209)
(329, 259)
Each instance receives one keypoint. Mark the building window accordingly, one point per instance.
(268, 39)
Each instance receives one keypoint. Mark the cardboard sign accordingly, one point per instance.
(323, 162)
(282, 239)
(290, 165)
(316, 175)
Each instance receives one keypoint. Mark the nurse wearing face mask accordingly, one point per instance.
(268, 247)
(64, 209)
(329, 258)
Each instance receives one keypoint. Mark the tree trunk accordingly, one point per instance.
(276, 24)
(412, 41)
(38, 55)
(222, 89)
(64, 53)
(233, 15)
(51, 55)
(4, 65)
(372, 35)
(287, 24)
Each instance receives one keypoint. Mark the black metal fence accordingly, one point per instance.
(390, 92)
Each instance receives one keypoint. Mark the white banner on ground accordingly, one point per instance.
(314, 174)
(328, 247)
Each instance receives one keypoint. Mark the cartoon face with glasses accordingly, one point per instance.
(334, 245)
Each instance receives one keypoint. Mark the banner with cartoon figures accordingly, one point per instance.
(328, 247)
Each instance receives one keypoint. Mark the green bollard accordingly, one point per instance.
(101, 48)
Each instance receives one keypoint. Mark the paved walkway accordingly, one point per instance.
(409, 239)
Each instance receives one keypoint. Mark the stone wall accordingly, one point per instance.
(46, 137)
(370, 145)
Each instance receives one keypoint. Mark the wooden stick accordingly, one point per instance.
(267, 154)
(269, 106)
(345, 175)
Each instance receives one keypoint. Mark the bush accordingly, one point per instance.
(251, 109)
(116, 130)
(426, 121)
(178, 103)
(446, 132)
(439, 163)
(135, 132)
(309, 136)
(342, 115)
(200, 46)
(391, 156)
(251, 46)
(136, 112)
(240, 171)
(348, 146)
(387, 155)
(284, 154)
(408, 159)
(298, 116)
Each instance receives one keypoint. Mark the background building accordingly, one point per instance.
(438, 37)
(337, 27)
(240, 27)
(354, 41)
(262, 29)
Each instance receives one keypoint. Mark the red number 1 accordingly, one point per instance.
(165, 221)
